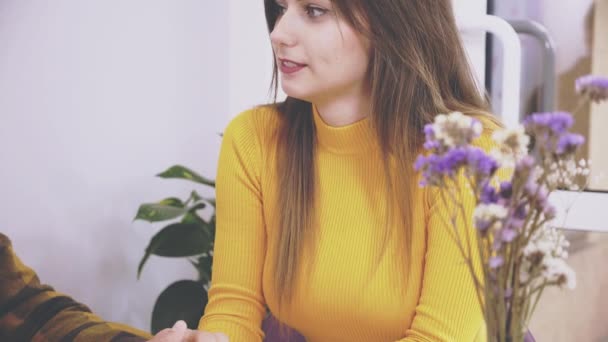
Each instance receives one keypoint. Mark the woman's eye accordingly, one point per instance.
(315, 12)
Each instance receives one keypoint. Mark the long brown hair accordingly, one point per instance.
(418, 69)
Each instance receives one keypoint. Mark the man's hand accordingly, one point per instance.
(180, 333)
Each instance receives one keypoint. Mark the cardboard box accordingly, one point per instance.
(598, 137)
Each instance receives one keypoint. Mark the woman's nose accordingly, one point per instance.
(282, 33)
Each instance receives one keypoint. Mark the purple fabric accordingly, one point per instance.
(529, 337)
(272, 329)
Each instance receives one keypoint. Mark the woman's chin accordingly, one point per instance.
(297, 93)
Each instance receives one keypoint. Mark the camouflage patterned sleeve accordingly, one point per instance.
(31, 311)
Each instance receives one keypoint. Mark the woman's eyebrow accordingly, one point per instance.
(320, 1)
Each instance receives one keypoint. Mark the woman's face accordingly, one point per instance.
(319, 55)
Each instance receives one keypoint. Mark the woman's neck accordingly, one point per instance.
(344, 111)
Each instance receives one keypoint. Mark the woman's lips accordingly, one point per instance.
(290, 67)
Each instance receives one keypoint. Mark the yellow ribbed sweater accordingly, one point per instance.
(339, 299)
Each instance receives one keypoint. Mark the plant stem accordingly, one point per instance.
(582, 100)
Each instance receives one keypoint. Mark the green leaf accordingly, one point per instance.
(211, 201)
(154, 212)
(197, 206)
(182, 172)
(183, 300)
(178, 240)
(204, 268)
(195, 196)
(140, 267)
(192, 217)
(173, 202)
(207, 227)
(210, 227)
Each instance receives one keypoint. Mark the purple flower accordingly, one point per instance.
(435, 167)
(542, 195)
(549, 211)
(432, 169)
(535, 191)
(593, 86)
(483, 225)
(525, 164)
(538, 195)
(508, 234)
(531, 187)
(496, 261)
(506, 190)
(514, 223)
(568, 143)
(430, 143)
(521, 211)
(454, 159)
(420, 162)
(488, 194)
(480, 163)
(556, 122)
(429, 132)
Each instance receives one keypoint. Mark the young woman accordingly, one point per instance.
(319, 215)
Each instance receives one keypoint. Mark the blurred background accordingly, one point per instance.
(578, 31)
(97, 97)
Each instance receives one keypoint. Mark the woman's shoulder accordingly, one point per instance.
(259, 115)
(253, 126)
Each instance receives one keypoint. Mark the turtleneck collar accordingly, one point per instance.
(354, 138)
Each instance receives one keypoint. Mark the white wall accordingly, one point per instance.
(250, 57)
(96, 97)
(475, 42)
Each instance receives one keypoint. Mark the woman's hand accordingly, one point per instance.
(180, 333)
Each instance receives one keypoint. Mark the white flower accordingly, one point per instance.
(490, 211)
(549, 242)
(513, 145)
(489, 214)
(556, 269)
(515, 139)
(547, 252)
(567, 174)
(455, 129)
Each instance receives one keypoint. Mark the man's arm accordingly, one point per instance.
(31, 311)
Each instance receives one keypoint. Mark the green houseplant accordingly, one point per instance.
(189, 236)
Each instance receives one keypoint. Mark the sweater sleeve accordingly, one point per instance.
(31, 311)
(448, 308)
(236, 305)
